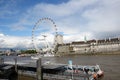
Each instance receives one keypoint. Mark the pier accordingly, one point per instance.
(51, 72)
(56, 74)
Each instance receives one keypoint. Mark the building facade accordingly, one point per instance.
(91, 46)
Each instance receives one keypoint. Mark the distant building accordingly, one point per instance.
(58, 39)
(90, 46)
(8, 51)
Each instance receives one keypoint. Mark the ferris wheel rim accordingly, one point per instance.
(35, 27)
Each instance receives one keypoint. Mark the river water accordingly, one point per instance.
(110, 64)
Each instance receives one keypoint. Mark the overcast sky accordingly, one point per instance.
(75, 19)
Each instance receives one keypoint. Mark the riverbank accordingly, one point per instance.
(91, 54)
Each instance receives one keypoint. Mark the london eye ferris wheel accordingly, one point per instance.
(43, 34)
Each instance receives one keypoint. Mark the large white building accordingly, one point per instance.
(90, 46)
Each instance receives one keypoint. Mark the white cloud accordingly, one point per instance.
(18, 27)
(8, 9)
(1, 35)
(105, 17)
(78, 16)
(78, 37)
(59, 10)
(22, 42)
(14, 41)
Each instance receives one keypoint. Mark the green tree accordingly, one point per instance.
(28, 51)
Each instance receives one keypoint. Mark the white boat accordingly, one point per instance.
(93, 72)
(48, 55)
(74, 72)
(37, 56)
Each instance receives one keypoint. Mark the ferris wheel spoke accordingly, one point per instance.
(36, 40)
